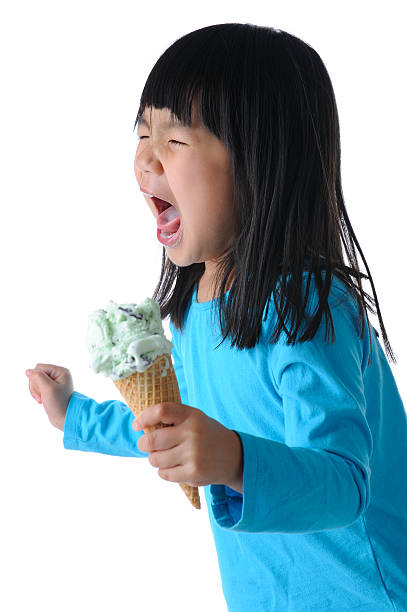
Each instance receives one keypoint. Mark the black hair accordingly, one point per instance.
(267, 95)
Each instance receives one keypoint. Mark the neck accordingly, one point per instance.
(206, 289)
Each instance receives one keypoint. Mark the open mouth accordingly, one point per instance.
(160, 205)
(168, 221)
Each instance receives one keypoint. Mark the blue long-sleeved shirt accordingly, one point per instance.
(322, 521)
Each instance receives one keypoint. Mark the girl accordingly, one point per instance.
(290, 415)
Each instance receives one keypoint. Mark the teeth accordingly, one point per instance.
(149, 195)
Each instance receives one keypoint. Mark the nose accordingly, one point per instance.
(139, 167)
(145, 162)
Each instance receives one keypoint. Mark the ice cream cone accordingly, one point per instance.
(156, 384)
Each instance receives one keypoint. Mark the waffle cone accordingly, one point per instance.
(143, 389)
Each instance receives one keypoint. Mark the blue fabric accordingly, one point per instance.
(100, 428)
(322, 521)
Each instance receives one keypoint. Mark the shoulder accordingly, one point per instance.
(322, 348)
(340, 300)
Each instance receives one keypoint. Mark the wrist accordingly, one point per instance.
(236, 480)
(59, 422)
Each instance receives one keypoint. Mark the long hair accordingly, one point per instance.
(268, 97)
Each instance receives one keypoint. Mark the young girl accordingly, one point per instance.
(290, 415)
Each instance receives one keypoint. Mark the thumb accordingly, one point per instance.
(39, 377)
(51, 372)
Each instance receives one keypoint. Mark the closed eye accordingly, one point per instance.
(176, 142)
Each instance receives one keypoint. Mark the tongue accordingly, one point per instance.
(168, 221)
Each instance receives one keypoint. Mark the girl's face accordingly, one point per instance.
(195, 176)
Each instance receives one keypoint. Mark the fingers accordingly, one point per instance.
(164, 459)
(53, 371)
(37, 376)
(161, 439)
(179, 474)
(168, 412)
(37, 380)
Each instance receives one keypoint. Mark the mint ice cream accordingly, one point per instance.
(126, 338)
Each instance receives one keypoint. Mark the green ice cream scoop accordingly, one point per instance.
(126, 338)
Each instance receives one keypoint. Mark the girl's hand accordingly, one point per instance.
(52, 386)
(196, 450)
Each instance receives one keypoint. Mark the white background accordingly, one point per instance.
(82, 531)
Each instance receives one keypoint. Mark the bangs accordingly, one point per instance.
(194, 68)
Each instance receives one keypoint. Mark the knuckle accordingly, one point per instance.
(196, 429)
(161, 410)
(140, 444)
(150, 439)
(146, 442)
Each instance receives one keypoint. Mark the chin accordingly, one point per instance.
(177, 258)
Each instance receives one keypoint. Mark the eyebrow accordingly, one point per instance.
(172, 122)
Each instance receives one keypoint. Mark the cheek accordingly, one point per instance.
(223, 218)
(137, 165)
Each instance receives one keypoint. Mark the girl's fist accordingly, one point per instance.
(51, 386)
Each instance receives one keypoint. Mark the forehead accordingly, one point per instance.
(163, 118)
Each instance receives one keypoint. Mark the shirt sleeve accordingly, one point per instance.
(100, 428)
(319, 478)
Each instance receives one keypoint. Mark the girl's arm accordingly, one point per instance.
(100, 428)
(107, 427)
(319, 478)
